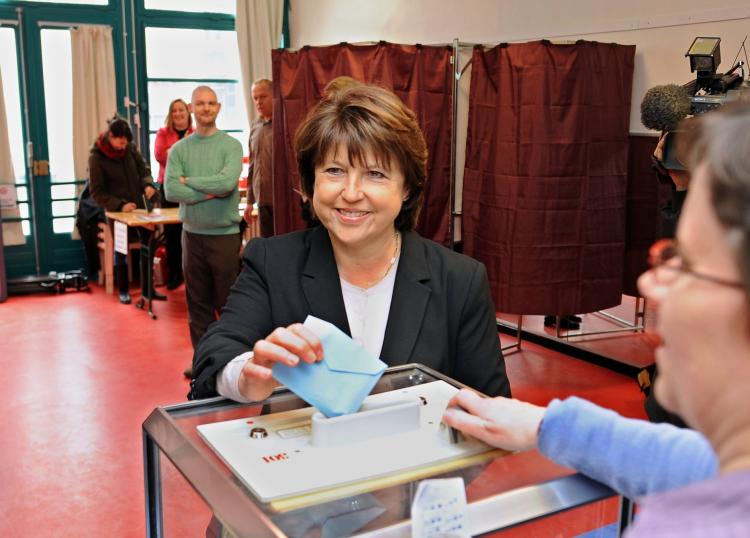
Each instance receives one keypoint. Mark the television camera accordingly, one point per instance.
(664, 107)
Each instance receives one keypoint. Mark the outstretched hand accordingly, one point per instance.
(286, 345)
(501, 422)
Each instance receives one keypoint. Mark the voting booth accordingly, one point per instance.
(281, 468)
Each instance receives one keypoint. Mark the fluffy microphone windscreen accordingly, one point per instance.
(663, 107)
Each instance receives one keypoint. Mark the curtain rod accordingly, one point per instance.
(56, 24)
(366, 43)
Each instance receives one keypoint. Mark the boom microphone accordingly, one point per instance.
(663, 107)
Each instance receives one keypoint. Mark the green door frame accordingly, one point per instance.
(164, 19)
(128, 19)
(54, 252)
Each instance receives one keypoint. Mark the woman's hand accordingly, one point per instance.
(149, 191)
(500, 422)
(287, 345)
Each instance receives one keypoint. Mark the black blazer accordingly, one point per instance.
(441, 315)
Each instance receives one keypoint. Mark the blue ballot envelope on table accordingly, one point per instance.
(339, 383)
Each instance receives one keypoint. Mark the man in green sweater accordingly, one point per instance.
(202, 174)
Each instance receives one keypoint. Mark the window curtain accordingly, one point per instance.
(258, 25)
(419, 75)
(546, 172)
(12, 232)
(94, 90)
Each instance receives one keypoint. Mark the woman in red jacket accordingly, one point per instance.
(177, 125)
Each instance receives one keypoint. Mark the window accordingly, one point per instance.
(215, 6)
(89, 2)
(57, 64)
(178, 60)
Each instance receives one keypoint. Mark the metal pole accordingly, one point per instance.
(29, 143)
(456, 75)
(135, 76)
(125, 58)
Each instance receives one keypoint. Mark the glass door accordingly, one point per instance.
(18, 232)
(36, 66)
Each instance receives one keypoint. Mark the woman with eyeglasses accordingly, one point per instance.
(689, 482)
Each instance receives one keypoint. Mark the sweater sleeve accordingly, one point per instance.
(160, 147)
(226, 180)
(174, 191)
(633, 457)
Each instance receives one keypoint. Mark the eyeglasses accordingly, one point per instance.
(664, 256)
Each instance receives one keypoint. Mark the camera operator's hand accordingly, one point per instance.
(680, 178)
(659, 151)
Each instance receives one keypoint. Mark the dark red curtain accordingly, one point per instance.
(546, 173)
(419, 75)
(645, 197)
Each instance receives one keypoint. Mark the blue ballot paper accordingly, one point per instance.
(339, 383)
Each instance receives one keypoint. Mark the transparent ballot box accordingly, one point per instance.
(220, 468)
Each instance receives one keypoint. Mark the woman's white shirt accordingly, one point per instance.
(366, 311)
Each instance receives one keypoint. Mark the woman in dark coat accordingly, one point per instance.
(120, 179)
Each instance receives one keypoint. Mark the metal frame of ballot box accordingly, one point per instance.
(506, 489)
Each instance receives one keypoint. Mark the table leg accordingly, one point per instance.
(147, 250)
(109, 249)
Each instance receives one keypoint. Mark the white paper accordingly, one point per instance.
(8, 196)
(439, 509)
(121, 237)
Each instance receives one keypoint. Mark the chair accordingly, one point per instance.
(106, 245)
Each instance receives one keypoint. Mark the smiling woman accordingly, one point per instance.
(361, 157)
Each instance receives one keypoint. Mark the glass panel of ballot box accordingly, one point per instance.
(219, 468)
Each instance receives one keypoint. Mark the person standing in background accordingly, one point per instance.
(177, 125)
(119, 179)
(202, 174)
(261, 158)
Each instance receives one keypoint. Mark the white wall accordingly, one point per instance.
(662, 31)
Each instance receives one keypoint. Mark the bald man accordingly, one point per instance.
(202, 175)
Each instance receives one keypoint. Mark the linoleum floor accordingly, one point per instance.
(82, 372)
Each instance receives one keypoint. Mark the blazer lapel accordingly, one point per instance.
(321, 284)
(409, 302)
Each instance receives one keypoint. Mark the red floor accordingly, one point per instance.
(82, 372)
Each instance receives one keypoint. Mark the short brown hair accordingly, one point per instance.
(168, 120)
(338, 84)
(721, 139)
(366, 118)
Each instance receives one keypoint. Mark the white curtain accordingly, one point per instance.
(94, 90)
(258, 24)
(12, 232)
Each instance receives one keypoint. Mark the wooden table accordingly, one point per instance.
(141, 218)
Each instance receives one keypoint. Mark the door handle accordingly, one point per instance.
(40, 168)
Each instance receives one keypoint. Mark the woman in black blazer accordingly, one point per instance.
(361, 158)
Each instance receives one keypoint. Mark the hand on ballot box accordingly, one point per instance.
(319, 363)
